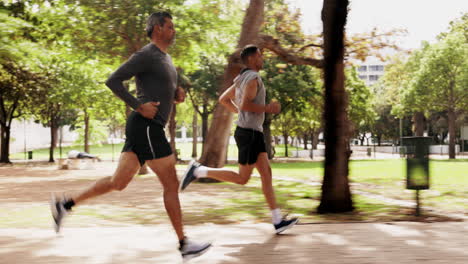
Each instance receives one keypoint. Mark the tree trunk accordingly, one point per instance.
(336, 194)
(267, 134)
(53, 140)
(306, 138)
(5, 144)
(285, 137)
(418, 122)
(315, 138)
(86, 132)
(214, 154)
(61, 141)
(194, 135)
(452, 132)
(172, 131)
(204, 117)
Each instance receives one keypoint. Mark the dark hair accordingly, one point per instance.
(158, 18)
(248, 51)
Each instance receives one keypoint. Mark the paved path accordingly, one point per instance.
(142, 234)
(401, 242)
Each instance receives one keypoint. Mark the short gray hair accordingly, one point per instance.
(158, 18)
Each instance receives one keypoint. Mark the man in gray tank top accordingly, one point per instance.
(246, 97)
(156, 81)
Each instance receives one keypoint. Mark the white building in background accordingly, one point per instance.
(30, 135)
(371, 70)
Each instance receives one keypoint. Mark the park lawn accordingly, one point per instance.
(103, 151)
(109, 152)
(246, 203)
(237, 204)
(301, 200)
(448, 191)
(448, 185)
(448, 180)
(280, 150)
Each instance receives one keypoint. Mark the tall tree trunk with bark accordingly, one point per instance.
(172, 131)
(53, 139)
(194, 134)
(306, 138)
(336, 194)
(379, 140)
(204, 117)
(452, 132)
(361, 139)
(452, 118)
(419, 124)
(86, 132)
(285, 137)
(267, 134)
(61, 141)
(214, 154)
(315, 138)
(5, 144)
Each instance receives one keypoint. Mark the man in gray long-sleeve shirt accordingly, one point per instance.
(156, 81)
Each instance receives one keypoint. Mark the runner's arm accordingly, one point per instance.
(134, 65)
(248, 105)
(226, 99)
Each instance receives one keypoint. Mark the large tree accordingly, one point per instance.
(443, 77)
(336, 195)
(296, 87)
(308, 53)
(19, 85)
(214, 154)
(19, 82)
(361, 113)
(203, 91)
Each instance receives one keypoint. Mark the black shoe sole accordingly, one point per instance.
(182, 180)
(284, 228)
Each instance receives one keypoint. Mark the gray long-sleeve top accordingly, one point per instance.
(155, 77)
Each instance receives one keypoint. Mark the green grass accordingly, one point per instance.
(281, 150)
(448, 193)
(448, 180)
(302, 200)
(105, 151)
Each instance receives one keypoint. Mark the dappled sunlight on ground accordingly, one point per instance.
(132, 226)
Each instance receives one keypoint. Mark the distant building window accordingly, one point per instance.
(363, 77)
(362, 68)
(376, 67)
(373, 77)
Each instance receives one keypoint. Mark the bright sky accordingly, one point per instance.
(424, 19)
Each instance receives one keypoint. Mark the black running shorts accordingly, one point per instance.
(250, 144)
(145, 138)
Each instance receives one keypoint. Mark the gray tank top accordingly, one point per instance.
(250, 119)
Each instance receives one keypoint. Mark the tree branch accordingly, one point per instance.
(195, 106)
(2, 108)
(12, 113)
(286, 55)
(310, 45)
(129, 40)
